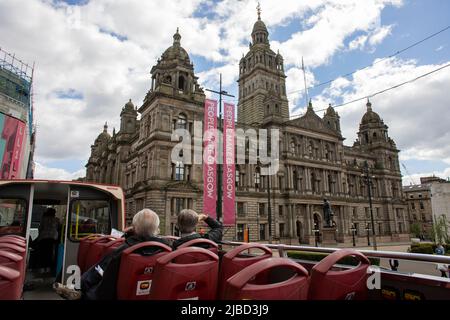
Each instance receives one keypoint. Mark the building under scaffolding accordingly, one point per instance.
(16, 118)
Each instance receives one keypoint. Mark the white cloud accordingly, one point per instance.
(415, 178)
(335, 22)
(358, 43)
(416, 113)
(46, 173)
(379, 35)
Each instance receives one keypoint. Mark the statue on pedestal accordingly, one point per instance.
(328, 214)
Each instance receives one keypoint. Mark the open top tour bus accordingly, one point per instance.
(81, 208)
(89, 214)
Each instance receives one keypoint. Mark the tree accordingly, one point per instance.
(440, 229)
(416, 230)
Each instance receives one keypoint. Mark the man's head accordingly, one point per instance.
(146, 223)
(187, 221)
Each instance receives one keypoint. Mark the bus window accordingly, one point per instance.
(88, 217)
(12, 216)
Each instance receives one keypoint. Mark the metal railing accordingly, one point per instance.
(282, 251)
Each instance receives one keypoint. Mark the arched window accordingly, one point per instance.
(130, 125)
(181, 83)
(330, 183)
(313, 182)
(182, 121)
(295, 178)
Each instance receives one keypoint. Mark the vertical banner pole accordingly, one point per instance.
(210, 158)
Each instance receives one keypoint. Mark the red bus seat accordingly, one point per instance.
(83, 249)
(13, 261)
(13, 236)
(292, 286)
(328, 284)
(10, 284)
(198, 243)
(97, 250)
(195, 281)
(232, 262)
(136, 270)
(21, 251)
(110, 247)
(15, 241)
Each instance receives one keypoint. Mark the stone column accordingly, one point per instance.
(306, 221)
(310, 218)
(168, 215)
(307, 179)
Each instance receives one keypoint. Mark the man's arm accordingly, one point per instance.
(216, 232)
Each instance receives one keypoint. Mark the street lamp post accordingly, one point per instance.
(316, 234)
(269, 209)
(368, 234)
(366, 175)
(353, 230)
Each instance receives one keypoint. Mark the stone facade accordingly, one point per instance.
(314, 163)
(418, 199)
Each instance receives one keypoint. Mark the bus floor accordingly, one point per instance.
(39, 287)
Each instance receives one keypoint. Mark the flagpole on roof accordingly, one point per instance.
(304, 78)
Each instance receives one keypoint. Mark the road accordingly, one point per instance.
(406, 265)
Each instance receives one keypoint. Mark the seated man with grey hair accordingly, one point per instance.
(187, 224)
(99, 282)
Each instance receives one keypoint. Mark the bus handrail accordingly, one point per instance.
(282, 250)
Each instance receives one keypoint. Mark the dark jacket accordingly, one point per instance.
(94, 286)
(215, 234)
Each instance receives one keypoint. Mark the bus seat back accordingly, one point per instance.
(137, 269)
(328, 284)
(233, 262)
(244, 284)
(10, 284)
(178, 281)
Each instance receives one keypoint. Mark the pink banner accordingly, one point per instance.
(11, 144)
(209, 159)
(229, 167)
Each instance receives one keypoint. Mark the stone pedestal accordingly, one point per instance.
(329, 236)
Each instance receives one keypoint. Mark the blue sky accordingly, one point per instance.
(99, 53)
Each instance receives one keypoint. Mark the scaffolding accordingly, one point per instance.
(16, 83)
(16, 92)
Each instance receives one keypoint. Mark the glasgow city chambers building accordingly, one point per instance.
(314, 162)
